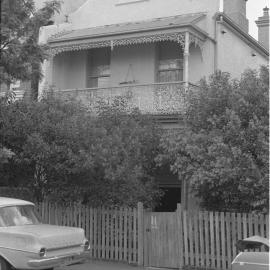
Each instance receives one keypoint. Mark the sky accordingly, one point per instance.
(255, 10)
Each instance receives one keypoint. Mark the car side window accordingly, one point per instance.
(18, 216)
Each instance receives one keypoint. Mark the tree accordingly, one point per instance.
(223, 150)
(65, 153)
(21, 54)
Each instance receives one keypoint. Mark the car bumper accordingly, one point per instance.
(57, 260)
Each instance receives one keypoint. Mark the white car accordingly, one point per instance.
(254, 254)
(26, 243)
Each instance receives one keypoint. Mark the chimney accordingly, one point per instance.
(236, 10)
(263, 28)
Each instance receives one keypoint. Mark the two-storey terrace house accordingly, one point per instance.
(151, 51)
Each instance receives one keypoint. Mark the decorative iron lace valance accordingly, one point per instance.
(178, 37)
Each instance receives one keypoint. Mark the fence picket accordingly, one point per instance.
(212, 239)
(201, 248)
(206, 242)
(140, 234)
(112, 257)
(179, 223)
(217, 247)
(120, 234)
(90, 228)
(262, 229)
(103, 235)
(244, 225)
(134, 257)
(239, 226)
(234, 238)
(129, 235)
(191, 254)
(228, 239)
(196, 240)
(250, 226)
(222, 238)
(185, 225)
(256, 225)
(95, 221)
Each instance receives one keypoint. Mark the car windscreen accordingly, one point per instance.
(18, 215)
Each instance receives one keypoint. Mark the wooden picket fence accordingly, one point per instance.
(203, 239)
(112, 233)
(209, 238)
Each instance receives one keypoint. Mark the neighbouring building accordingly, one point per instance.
(151, 51)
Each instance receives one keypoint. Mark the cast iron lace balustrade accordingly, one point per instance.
(156, 98)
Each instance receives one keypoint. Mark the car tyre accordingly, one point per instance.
(4, 265)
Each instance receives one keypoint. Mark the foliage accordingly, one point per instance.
(21, 54)
(223, 149)
(5, 155)
(17, 192)
(63, 152)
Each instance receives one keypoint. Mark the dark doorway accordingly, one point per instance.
(170, 184)
(168, 203)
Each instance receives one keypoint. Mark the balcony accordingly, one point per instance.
(157, 98)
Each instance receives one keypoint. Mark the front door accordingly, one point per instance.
(161, 240)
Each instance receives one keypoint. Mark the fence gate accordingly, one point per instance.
(161, 240)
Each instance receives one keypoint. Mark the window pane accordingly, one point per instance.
(99, 67)
(170, 62)
(103, 81)
(93, 82)
(170, 75)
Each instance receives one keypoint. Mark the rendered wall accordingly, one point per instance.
(69, 70)
(138, 59)
(201, 62)
(97, 13)
(235, 55)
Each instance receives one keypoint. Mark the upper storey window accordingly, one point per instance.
(99, 72)
(170, 62)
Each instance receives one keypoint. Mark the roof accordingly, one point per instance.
(131, 27)
(4, 201)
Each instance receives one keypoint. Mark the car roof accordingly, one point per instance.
(5, 201)
(257, 239)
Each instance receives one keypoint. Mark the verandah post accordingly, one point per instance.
(186, 60)
(140, 233)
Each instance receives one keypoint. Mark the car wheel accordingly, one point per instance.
(4, 265)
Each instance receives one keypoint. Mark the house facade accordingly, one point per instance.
(150, 51)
